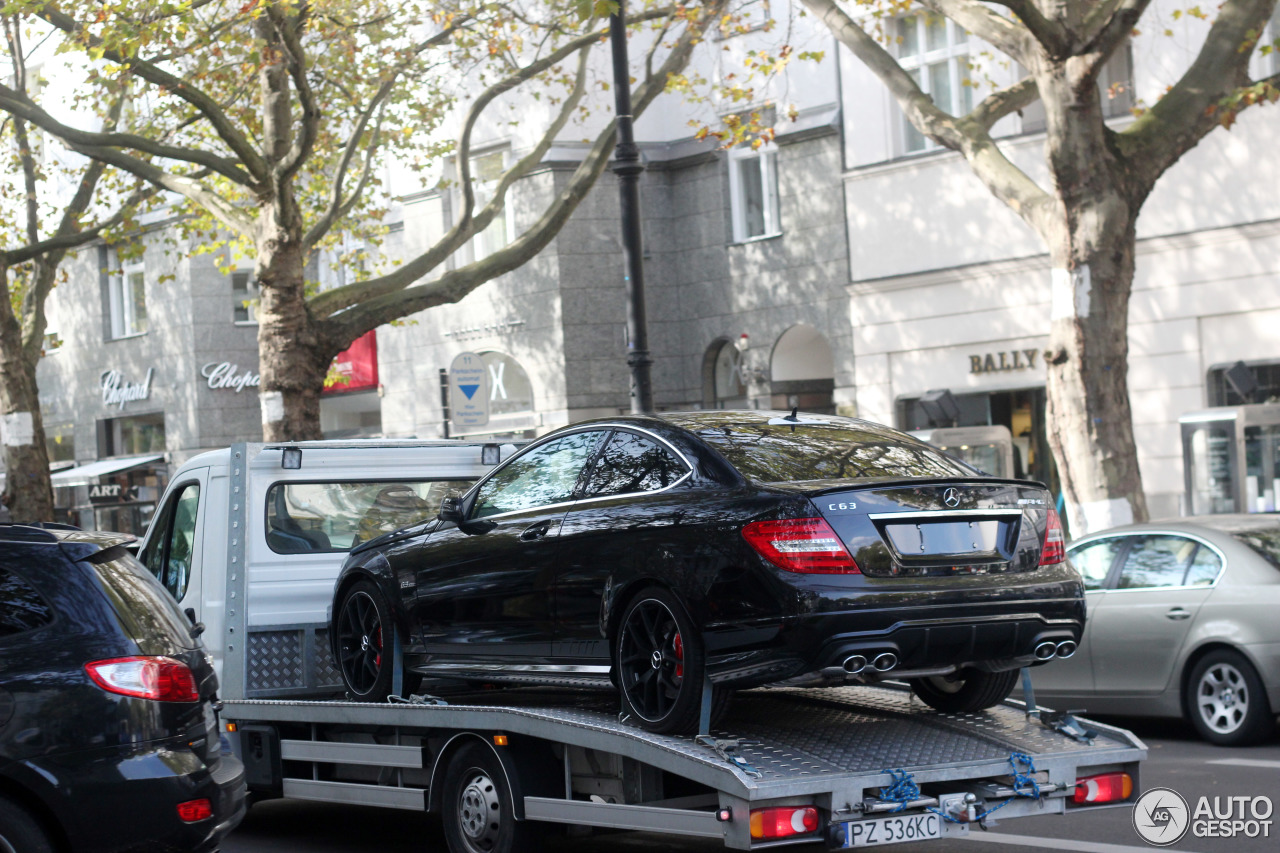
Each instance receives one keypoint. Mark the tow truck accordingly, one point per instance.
(854, 766)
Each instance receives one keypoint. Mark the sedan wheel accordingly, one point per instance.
(364, 630)
(659, 661)
(1227, 702)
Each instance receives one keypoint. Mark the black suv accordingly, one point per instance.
(108, 724)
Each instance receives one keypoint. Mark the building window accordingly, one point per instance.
(127, 302)
(753, 193)
(1272, 38)
(1261, 381)
(486, 172)
(244, 297)
(723, 375)
(131, 436)
(60, 442)
(935, 52)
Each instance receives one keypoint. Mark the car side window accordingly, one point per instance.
(1093, 561)
(1156, 561)
(21, 607)
(545, 475)
(1204, 568)
(631, 463)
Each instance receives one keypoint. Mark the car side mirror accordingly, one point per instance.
(450, 510)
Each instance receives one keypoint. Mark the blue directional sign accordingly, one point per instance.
(468, 392)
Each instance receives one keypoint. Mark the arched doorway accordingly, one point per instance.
(802, 371)
(723, 383)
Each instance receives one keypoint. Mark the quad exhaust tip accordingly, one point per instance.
(885, 662)
(854, 664)
(1047, 649)
(1066, 649)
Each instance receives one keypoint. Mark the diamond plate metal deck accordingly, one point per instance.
(800, 740)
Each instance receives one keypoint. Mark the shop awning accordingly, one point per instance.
(83, 475)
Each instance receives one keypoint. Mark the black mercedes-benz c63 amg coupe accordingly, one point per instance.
(660, 553)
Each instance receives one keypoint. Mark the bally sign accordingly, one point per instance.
(1000, 362)
(226, 375)
(116, 390)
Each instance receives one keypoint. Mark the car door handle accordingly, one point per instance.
(1177, 614)
(535, 531)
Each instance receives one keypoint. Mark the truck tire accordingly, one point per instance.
(976, 691)
(365, 635)
(1227, 702)
(20, 832)
(659, 660)
(478, 808)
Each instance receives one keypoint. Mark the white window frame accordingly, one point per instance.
(124, 320)
(481, 247)
(953, 54)
(1269, 36)
(251, 293)
(767, 158)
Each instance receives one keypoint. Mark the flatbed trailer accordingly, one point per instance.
(851, 766)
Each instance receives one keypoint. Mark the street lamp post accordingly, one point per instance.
(627, 166)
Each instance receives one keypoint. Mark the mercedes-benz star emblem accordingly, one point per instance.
(951, 498)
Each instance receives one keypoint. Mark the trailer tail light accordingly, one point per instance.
(158, 678)
(1103, 788)
(806, 545)
(783, 821)
(1055, 545)
(194, 811)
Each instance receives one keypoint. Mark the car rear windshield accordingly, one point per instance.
(784, 453)
(145, 609)
(1265, 542)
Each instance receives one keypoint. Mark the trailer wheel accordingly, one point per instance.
(659, 662)
(479, 812)
(20, 832)
(976, 691)
(364, 642)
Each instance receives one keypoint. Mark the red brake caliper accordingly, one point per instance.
(679, 647)
(377, 644)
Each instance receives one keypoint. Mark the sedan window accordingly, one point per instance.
(1094, 559)
(1204, 568)
(546, 474)
(1156, 561)
(631, 464)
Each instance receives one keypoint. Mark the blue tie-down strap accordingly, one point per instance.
(727, 748)
(904, 791)
(1024, 783)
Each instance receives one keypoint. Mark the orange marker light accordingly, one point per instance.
(500, 740)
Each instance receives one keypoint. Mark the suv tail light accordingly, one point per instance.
(193, 811)
(806, 545)
(1055, 545)
(158, 678)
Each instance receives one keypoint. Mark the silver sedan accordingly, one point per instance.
(1183, 621)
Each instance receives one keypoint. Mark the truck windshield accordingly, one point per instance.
(309, 517)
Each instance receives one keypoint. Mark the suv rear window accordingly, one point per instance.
(336, 517)
(21, 607)
(144, 607)
(783, 453)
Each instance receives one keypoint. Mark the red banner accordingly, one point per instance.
(356, 368)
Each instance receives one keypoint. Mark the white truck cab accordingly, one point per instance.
(284, 516)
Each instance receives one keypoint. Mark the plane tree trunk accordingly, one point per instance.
(28, 492)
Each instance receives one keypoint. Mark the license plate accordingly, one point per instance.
(892, 830)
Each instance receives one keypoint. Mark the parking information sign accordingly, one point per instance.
(468, 391)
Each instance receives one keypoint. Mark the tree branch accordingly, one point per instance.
(1007, 36)
(287, 26)
(1055, 38)
(1005, 102)
(344, 327)
(1189, 110)
(208, 107)
(1113, 30)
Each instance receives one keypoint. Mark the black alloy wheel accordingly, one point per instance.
(975, 691)
(1227, 701)
(479, 812)
(364, 643)
(660, 662)
(20, 832)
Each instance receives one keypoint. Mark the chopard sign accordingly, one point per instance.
(225, 375)
(116, 390)
(1000, 362)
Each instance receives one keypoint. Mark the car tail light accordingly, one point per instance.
(783, 821)
(158, 678)
(1103, 788)
(806, 545)
(193, 811)
(1055, 545)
